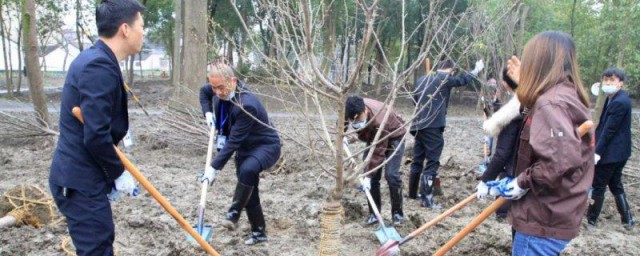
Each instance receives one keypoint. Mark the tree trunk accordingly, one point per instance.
(132, 58)
(379, 65)
(329, 38)
(34, 74)
(230, 52)
(140, 57)
(20, 65)
(78, 32)
(573, 18)
(195, 56)
(176, 67)
(9, 67)
(5, 56)
(523, 18)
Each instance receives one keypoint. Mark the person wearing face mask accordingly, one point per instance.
(244, 129)
(613, 148)
(366, 116)
(432, 99)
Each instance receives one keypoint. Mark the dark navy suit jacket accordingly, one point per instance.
(432, 96)
(613, 134)
(85, 158)
(246, 136)
(207, 100)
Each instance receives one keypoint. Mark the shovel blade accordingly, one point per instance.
(207, 234)
(386, 234)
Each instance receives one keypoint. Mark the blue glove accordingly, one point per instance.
(508, 188)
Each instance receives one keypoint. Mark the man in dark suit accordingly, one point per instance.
(244, 129)
(613, 148)
(85, 166)
(432, 97)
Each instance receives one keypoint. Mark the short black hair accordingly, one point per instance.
(613, 71)
(353, 106)
(507, 79)
(110, 14)
(445, 64)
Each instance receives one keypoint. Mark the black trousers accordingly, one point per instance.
(609, 174)
(89, 220)
(428, 146)
(394, 153)
(248, 171)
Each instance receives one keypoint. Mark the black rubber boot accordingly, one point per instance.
(258, 226)
(240, 200)
(437, 189)
(414, 182)
(426, 188)
(594, 210)
(625, 212)
(375, 194)
(396, 205)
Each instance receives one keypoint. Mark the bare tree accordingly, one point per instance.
(296, 67)
(34, 73)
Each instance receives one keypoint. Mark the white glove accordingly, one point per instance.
(483, 190)
(596, 158)
(209, 117)
(125, 184)
(209, 175)
(479, 66)
(365, 183)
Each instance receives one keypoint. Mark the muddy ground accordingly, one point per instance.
(292, 198)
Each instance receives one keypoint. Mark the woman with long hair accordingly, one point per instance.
(554, 165)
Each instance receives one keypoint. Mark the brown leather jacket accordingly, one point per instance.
(555, 164)
(394, 129)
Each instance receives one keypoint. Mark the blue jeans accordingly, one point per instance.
(526, 245)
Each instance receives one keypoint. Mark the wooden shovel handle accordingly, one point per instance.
(156, 194)
(440, 217)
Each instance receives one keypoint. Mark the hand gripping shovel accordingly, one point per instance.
(205, 231)
(383, 233)
(582, 130)
(156, 194)
(392, 247)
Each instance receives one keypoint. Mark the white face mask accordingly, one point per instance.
(357, 125)
(230, 96)
(610, 89)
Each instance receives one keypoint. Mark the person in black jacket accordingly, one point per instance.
(613, 148)
(432, 97)
(85, 167)
(207, 101)
(244, 129)
(505, 124)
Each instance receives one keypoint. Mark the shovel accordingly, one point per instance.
(155, 193)
(383, 233)
(205, 231)
(393, 247)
